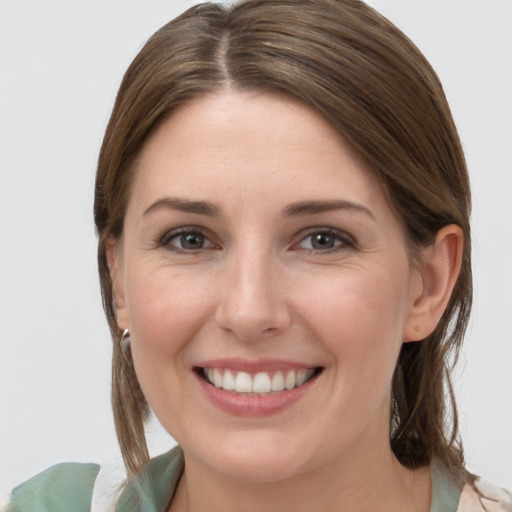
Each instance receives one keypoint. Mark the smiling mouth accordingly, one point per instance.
(258, 384)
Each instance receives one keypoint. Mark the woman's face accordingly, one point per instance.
(259, 253)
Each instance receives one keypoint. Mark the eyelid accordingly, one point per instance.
(165, 239)
(347, 241)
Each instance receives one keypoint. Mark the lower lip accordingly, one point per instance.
(254, 406)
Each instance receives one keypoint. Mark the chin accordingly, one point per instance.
(255, 459)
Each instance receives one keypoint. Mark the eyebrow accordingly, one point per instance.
(183, 205)
(302, 208)
(314, 207)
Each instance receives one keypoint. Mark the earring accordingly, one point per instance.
(125, 338)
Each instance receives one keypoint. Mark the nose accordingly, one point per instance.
(253, 304)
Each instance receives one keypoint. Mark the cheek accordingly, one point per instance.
(166, 311)
(359, 316)
(164, 305)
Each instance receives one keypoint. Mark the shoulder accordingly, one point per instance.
(62, 487)
(85, 487)
(154, 486)
(455, 493)
(484, 497)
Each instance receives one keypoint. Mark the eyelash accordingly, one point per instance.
(341, 239)
(168, 237)
(344, 240)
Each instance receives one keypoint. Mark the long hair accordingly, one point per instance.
(377, 89)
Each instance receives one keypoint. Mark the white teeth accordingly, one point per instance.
(243, 383)
(302, 376)
(229, 381)
(278, 382)
(260, 383)
(289, 381)
(217, 378)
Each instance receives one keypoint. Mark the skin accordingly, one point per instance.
(258, 287)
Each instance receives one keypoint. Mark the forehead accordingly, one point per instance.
(256, 139)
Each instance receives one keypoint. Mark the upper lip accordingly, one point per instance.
(254, 366)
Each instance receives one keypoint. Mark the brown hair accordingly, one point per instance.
(377, 89)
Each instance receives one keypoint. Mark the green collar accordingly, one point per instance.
(445, 491)
(153, 488)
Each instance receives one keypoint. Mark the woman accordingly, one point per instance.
(284, 249)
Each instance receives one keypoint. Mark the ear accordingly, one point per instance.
(115, 265)
(438, 269)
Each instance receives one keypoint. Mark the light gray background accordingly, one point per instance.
(60, 65)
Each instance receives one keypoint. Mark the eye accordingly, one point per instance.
(186, 240)
(325, 240)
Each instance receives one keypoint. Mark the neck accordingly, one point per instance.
(361, 481)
